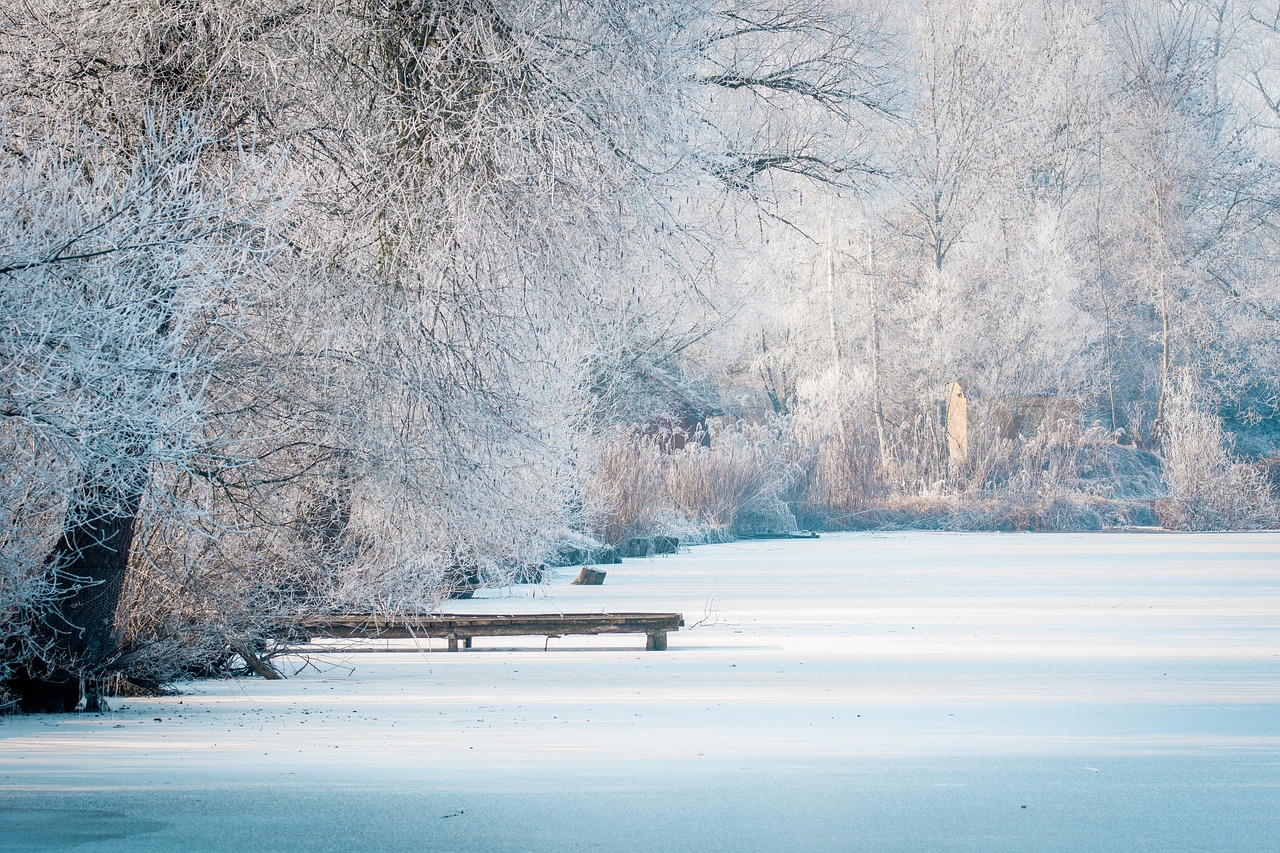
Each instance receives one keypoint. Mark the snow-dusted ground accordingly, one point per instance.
(861, 692)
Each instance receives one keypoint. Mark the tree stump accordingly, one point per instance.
(589, 577)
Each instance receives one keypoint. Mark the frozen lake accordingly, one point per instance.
(904, 691)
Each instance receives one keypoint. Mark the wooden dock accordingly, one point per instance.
(459, 629)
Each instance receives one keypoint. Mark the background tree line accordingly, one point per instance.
(1078, 212)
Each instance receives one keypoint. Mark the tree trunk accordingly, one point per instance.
(1158, 428)
(873, 342)
(1100, 278)
(1162, 292)
(88, 565)
(837, 352)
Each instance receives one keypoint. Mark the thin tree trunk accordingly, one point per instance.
(877, 401)
(1162, 289)
(1164, 356)
(1100, 280)
(837, 352)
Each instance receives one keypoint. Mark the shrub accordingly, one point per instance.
(1209, 488)
(735, 474)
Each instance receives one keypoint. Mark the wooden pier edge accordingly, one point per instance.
(459, 629)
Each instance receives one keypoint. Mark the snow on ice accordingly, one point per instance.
(899, 691)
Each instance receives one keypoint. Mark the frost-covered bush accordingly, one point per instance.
(840, 459)
(197, 589)
(1034, 482)
(1209, 488)
(1062, 476)
(740, 476)
(743, 477)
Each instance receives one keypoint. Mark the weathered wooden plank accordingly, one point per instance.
(605, 621)
(462, 627)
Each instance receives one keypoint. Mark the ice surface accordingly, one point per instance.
(906, 691)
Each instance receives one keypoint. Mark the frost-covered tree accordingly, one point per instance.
(1192, 189)
(122, 284)
(492, 200)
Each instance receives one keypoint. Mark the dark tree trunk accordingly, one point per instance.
(43, 690)
(88, 565)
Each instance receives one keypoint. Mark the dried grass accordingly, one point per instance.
(734, 474)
